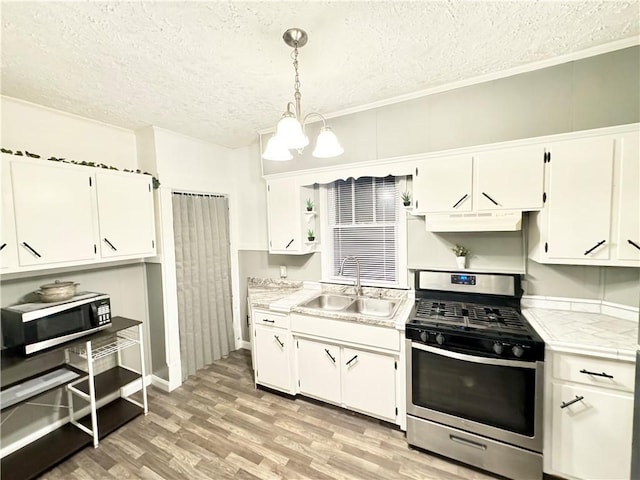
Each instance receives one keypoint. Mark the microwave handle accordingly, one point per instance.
(94, 313)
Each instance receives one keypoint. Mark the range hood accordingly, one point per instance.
(503, 221)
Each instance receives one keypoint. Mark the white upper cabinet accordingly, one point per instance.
(510, 179)
(60, 215)
(54, 212)
(443, 185)
(580, 177)
(592, 212)
(628, 198)
(125, 210)
(8, 245)
(289, 221)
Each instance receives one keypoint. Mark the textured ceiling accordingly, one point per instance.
(220, 71)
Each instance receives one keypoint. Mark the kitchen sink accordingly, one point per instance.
(374, 307)
(329, 302)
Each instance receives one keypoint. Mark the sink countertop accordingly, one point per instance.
(585, 333)
(286, 296)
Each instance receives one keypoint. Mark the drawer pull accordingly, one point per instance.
(587, 372)
(333, 359)
(268, 321)
(352, 360)
(571, 402)
(278, 340)
(468, 443)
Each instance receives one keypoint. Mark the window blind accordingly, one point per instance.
(363, 222)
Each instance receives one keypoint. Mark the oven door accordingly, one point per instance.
(499, 399)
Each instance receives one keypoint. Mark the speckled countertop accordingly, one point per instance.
(286, 296)
(586, 333)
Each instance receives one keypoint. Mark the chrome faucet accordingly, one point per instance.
(357, 284)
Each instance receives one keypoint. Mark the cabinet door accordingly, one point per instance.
(591, 438)
(580, 186)
(628, 234)
(319, 370)
(510, 179)
(125, 212)
(272, 357)
(369, 382)
(8, 245)
(284, 216)
(442, 185)
(54, 208)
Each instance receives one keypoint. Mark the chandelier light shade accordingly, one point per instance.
(290, 130)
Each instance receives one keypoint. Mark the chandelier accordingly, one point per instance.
(290, 131)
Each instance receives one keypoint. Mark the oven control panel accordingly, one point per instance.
(458, 279)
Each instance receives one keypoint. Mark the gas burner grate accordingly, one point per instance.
(487, 316)
(433, 309)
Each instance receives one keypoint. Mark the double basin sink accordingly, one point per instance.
(368, 306)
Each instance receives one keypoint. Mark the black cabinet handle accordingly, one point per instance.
(4, 245)
(278, 340)
(289, 244)
(333, 359)
(31, 249)
(455, 205)
(268, 321)
(352, 360)
(594, 247)
(571, 402)
(110, 244)
(631, 242)
(587, 372)
(490, 199)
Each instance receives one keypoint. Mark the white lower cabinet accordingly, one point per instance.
(272, 350)
(357, 379)
(272, 356)
(588, 418)
(369, 382)
(319, 370)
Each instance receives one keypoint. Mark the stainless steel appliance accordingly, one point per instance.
(32, 327)
(475, 373)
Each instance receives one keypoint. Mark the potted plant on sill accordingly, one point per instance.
(309, 205)
(406, 199)
(311, 235)
(461, 254)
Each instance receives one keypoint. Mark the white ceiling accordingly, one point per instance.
(220, 71)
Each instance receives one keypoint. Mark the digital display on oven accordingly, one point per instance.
(463, 279)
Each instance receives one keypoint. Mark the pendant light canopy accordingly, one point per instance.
(290, 131)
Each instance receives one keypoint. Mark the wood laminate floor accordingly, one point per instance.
(218, 426)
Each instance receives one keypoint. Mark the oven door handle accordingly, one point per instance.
(474, 359)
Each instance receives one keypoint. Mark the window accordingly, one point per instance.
(363, 221)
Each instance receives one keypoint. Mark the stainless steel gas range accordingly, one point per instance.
(475, 371)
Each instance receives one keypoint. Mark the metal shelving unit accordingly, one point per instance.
(93, 350)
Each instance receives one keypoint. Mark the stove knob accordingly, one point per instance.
(498, 347)
(424, 336)
(517, 350)
(440, 339)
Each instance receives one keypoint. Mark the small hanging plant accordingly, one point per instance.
(309, 205)
(311, 235)
(406, 199)
(154, 181)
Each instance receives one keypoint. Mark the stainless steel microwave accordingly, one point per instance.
(32, 327)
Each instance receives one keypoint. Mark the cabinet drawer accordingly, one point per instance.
(262, 317)
(594, 371)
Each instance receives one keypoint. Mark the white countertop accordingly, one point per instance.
(585, 333)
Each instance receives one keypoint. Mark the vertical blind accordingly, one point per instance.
(363, 222)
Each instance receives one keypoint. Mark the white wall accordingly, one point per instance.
(190, 165)
(52, 133)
